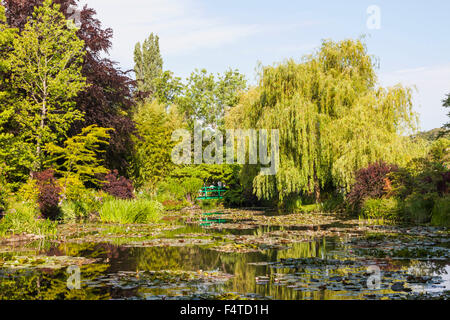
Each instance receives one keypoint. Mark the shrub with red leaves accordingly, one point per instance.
(118, 186)
(49, 191)
(371, 182)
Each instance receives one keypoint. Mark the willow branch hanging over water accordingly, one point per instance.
(332, 116)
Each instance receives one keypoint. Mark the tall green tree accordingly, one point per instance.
(206, 98)
(168, 89)
(7, 111)
(153, 144)
(332, 116)
(46, 66)
(148, 64)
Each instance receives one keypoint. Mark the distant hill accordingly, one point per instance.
(430, 135)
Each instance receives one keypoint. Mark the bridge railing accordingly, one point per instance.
(207, 193)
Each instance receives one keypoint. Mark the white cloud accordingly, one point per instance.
(182, 25)
(432, 84)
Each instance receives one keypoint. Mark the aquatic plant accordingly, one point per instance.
(131, 211)
(21, 217)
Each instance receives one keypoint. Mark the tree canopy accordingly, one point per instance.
(153, 145)
(332, 116)
(46, 65)
(107, 100)
(205, 98)
(447, 125)
(148, 64)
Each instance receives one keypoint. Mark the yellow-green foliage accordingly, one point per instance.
(131, 211)
(441, 212)
(81, 204)
(46, 67)
(79, 156)
(388, 209)
(4, 191)
(73, 188)
(9, 144)
(153, 145)
(29, 191)
(21, 217)
(440, 151)
(332, 116)
(209, 204)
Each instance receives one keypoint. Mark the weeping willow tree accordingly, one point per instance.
(332, 118)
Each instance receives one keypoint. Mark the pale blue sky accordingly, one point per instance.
(412, 43)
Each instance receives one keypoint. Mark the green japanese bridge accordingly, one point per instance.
(208, 193)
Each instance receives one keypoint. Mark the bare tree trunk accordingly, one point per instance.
(316, 186)
(317, 191)
(37, 164)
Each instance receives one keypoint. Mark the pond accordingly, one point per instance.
(231, 255)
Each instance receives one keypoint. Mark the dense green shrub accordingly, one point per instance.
(235, 197)
(191, 187)
(441, 212)
(170, 189)
(417, 207)
(293, 203)
(209, 204)
(21, 217)
(3, 198)
(440, 151)
(209, 173)
(384, 208)
(185, 189)
(310, 208)
(87, 204)
(131, 211)
(174, 205)
(29, 191)
(72, 210)
(79, 202)
(334, 203)
(169, 194)
(424, 185)
(299, 204)
(4, 191)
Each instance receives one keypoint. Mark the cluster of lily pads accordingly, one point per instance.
(411, 261)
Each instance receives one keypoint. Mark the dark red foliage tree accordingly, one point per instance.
(107, 101)
(49, 191)
(118, 186)
(371, 182)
